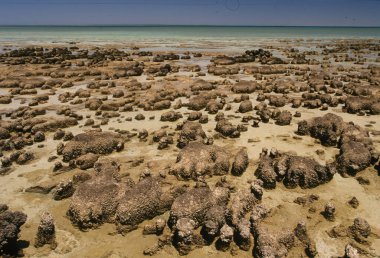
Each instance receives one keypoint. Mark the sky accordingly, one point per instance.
(191, 12)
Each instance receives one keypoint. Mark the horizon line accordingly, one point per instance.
(184, 25)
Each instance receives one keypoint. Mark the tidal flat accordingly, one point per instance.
(195, 149)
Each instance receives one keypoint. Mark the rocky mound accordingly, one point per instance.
(356, 148)
(327, 128)
(195, 203)
(10, 223)
(292, 170)
(107, 198)
(95, 201)
(92, 142)
(139, 203)
(191, 131)
(245, 87)
(198, 159)
(202, 85)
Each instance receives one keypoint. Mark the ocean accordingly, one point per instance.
(176, 36)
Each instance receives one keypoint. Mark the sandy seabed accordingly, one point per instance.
(137, 102)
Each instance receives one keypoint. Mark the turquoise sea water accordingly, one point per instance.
(186, 38)
(176, 33)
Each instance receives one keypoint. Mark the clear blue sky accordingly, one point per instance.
(191, 12)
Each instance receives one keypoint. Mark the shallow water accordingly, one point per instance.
(176, 35)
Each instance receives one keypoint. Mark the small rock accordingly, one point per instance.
(39, 136)
(225, 239)
(63, 190)
(351, 252)
(354, 202)
(156, 228)
(46, 232)
(329, 212)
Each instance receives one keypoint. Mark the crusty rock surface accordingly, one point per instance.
(170, 116)
(244, 87)
(10, 223)
(63, 190)
(243, 236)
(245, 106)
(293, 171)
(302, 234)
(272, 244)
(226, 128)
(284, 118)
(183, 238)
(202, 85)
(240, 162)
(46, 233)
(139, 203)
(353, 157)
(356, 148)
(191, 131)
(214, 220)
(156, 227)
(327, 128)
(195, 204)
(242, 203)
(86, 161)
(360, 227)
(92, 142)
(225, 239)
(95, 201)
(198, 159)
